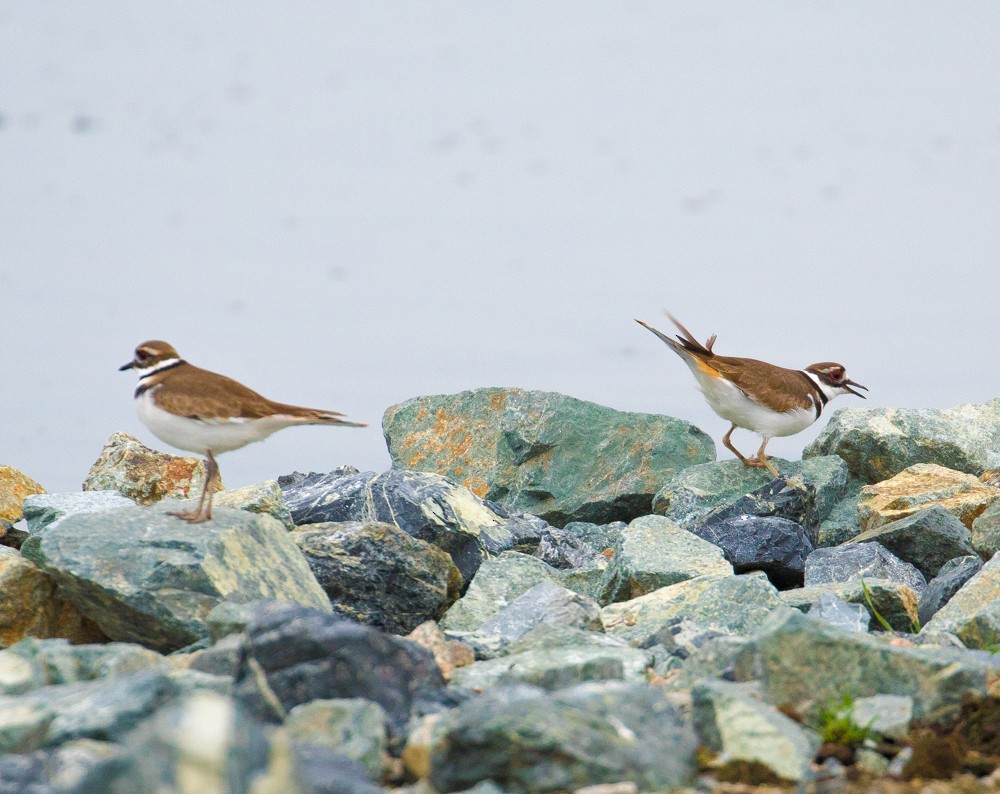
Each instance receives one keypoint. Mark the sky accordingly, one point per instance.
(346, 205)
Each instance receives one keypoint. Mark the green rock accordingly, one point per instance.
(263, 498)
(730, 604)
(353, 727)
(544, 453)
(739, 727)
(24, 726)
(41, 510)
(588, 580)
(654, 552)
(143, 576)
(986, 531)
(229, 617)
(878, 443)
(527, 740)
(806, 664)
(886, 715)
(973, 613)
(894, 601)
(842, 522)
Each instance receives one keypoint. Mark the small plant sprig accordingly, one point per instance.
(836, 725)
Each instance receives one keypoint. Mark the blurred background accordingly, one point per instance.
(345, 205)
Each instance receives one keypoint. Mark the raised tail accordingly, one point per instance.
(684, 341)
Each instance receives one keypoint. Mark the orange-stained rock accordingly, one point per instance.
(145, 475)
(448, 654)
(14, 486)
(921, 486)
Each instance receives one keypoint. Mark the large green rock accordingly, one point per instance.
(144, 576)
(878, 443)
(973, 613)
(894, 601)
(543, 453)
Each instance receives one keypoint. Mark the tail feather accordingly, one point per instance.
(684, 341)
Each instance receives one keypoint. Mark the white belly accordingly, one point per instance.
(729, 402)
(202, 436)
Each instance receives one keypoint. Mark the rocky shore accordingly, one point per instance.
(541, 595)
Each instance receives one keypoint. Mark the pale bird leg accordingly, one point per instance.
(761, 461)
(729, 445)
(204, 511)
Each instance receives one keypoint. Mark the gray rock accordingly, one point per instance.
(84, 766)
(771, 544)
(378, 574)
(654, 552)
(546, 602)
(264, 498)
(860, 561)
(564, 550)
(877, 443)
(168, 574)
(950, 579)
(354, 728)
(600, 537)
(740, 728)
(837, 612)
(973, 613)
(40, 510)
(896, 603)
(230, 617)
(528, 740)
(842, 524)
(985, 531)
(927, 539)
(429, 507)
(544, 453)
(887, 715)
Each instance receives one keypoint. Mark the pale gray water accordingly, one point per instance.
(346, 205)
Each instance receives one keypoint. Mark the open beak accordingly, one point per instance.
(131, 364)
(847, 385)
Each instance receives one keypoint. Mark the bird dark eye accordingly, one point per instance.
(837, 374)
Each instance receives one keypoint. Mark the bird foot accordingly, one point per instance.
(192, 516)
(761, 463)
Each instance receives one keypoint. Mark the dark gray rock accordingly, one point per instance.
(378, 574)
(295, 655)
(771, 544)
(927, 539)
(563, 549)
(950, 578)
(429, 507)
(860, 561)
(529, 740)
(837, 612)
(791, 499)
(321, 770)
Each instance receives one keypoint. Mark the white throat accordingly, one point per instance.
(826, 388)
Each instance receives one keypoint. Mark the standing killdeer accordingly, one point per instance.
(767, 399)
(199, 411)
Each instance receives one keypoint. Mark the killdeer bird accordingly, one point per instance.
(199, 411)
(767, 399)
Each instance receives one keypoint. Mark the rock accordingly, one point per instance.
(730, 604)
(497, 582)
(880, 442)
(230, 617)
(654, 552)
(527, 740)
(544, 453)
(31, 607)
(837, 612)
(986, 531)
(918, 488)
(264, 498)
(842, 523)
(144, 475)
(740, 728)
(927, 539)
(696, 491)
(950, 579)
(557, 668)
(354, 728)
(885, 715)
(546, 602)
(854, 561)
(448, 654)
(427, 506)
(168, 574)
(565, 550)
(42, 510)
(295, 655)
(774, 545)
(85, 766)
(14, 487)
(896, 603)
(378, 574)
(600, 537)
(973, 613)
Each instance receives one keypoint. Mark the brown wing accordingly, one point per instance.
(784, 389)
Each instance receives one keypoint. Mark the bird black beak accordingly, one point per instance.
(124, 367)
(849, 383)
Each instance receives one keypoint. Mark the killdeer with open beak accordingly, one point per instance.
(199, 411)
(767, 399)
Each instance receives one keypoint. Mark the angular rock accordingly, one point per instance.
(527, 740)
(986, 531)
(654, 552)
(427, 506)
(311, 769)
(378, 574)
(920, 487)
(231, 617)
(740, 728)
(544, 453)
(895, 602)
(950, 579)
(449, 654)
(842, 523)
(354, 728)
(878, 443)
(44, 509)
(295, 655)
(546, 602)
(600, 537)
(973, 613)
(565, 550)
(774, 545)
(144, 475)
(834, 610)
(14, 487)
(886, 715)
(264, 498)
(84, 765)
(927, 539)
(784, 655)
(854, 561)
(168, 574)
(730, 604)
(30, 606)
